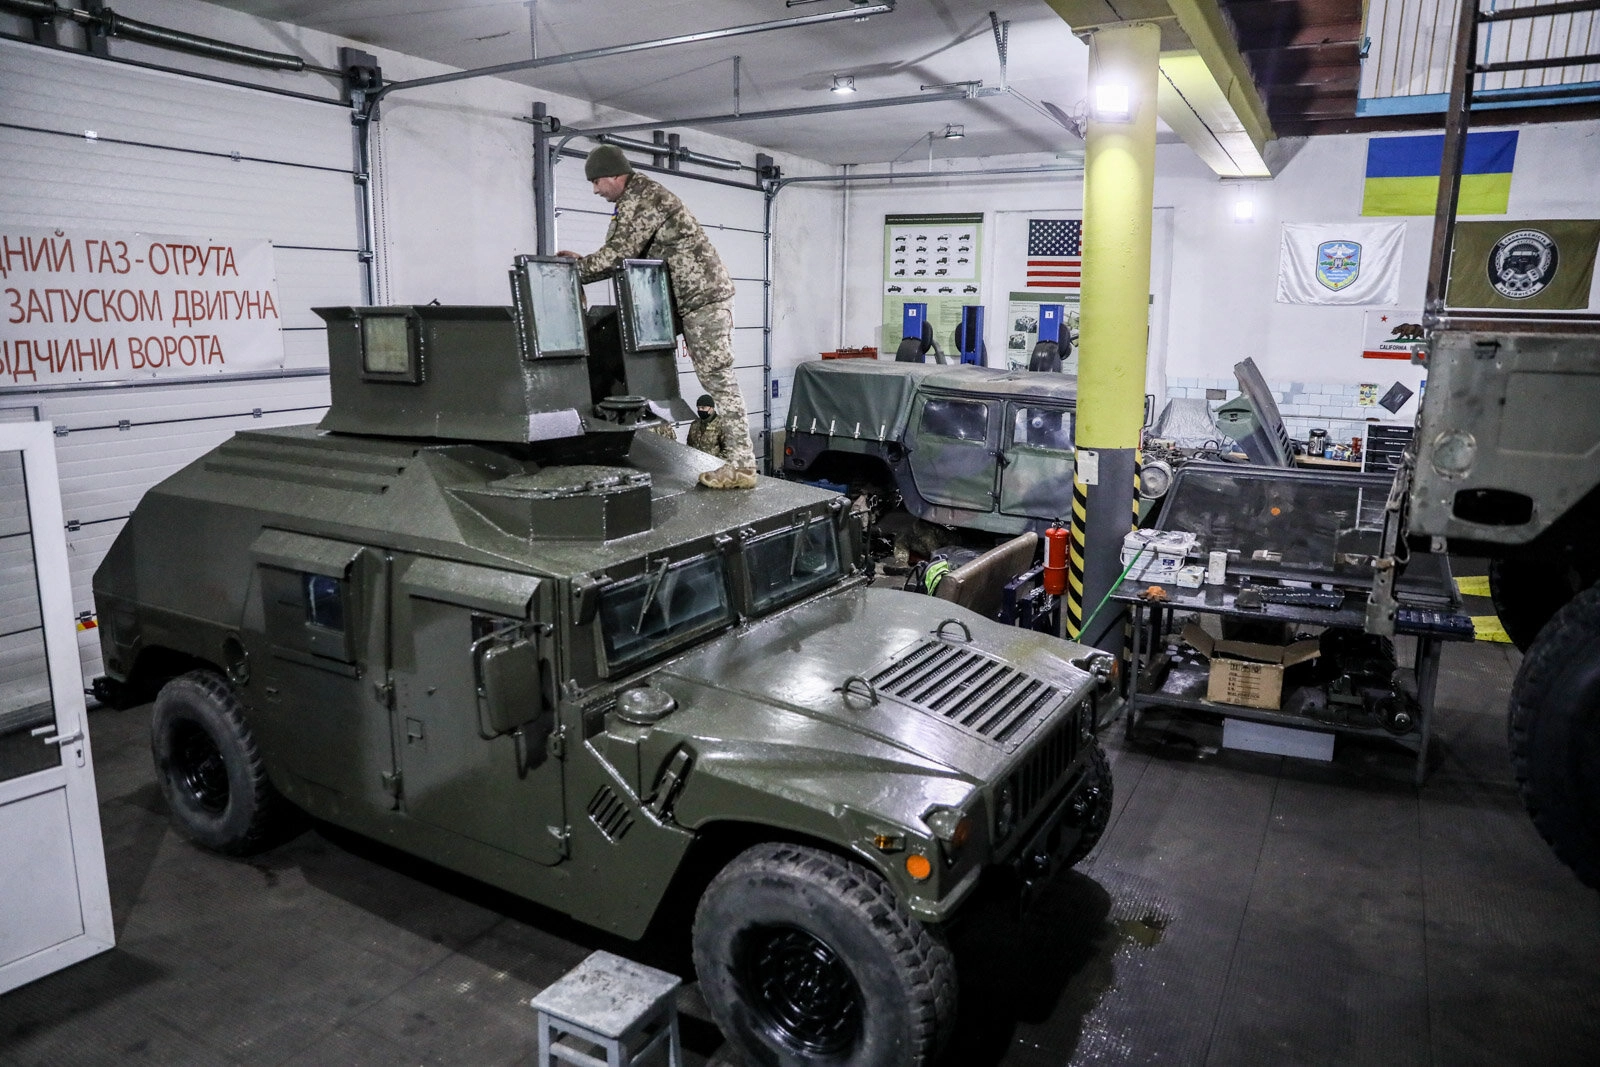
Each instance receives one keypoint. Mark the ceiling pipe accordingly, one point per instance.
(110, 24)
(920, 176)
(684, 154)
(853, 13)
(776, 113)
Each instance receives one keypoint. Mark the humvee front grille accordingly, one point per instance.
(1037, 776)
(964, 686)
(610, 814)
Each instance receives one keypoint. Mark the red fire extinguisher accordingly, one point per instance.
(1056, 541)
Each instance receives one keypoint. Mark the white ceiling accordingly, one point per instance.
(922, 42)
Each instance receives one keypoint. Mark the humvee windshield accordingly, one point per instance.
(785, 564)
(644, 616)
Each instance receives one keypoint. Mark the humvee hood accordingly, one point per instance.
(877, 676)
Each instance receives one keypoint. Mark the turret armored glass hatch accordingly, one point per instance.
(645, 296)
(544, 290)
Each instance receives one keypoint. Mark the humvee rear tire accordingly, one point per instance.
(1094, 803)
(1527, 592)
(808, 958)
(210, 769)
(1554, 730)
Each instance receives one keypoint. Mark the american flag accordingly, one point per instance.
(1055, 253)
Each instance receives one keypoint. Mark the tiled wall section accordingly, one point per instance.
(1304, 405)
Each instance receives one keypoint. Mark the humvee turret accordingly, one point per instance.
(478, 617)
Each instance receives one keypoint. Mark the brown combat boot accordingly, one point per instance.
(728, 476)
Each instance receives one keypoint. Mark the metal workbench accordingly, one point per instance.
(1298, 529)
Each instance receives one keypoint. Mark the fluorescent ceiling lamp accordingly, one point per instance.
(954, 131)
(1111, 103)
(843, 83)
(1244, 210)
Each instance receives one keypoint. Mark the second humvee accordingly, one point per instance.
(476, 616)
(980, 448)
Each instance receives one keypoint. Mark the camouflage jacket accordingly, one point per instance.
(711, 436)
(652, 223)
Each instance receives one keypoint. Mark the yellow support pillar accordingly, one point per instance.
(1118, 195)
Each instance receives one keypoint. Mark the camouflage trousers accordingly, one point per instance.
(708, 334)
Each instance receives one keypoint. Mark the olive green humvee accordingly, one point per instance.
(479, 617)
(966, 446)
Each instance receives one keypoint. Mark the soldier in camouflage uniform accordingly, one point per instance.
(652, 223)
(711, 434)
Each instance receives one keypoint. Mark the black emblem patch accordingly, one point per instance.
(1522, 264)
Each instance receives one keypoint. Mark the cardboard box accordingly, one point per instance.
(1163, 553)
(1246, 673)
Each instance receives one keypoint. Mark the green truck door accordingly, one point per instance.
(466, 765)
(953, 451)
(1036, 477)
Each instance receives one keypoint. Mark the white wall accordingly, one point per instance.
(1224, 274)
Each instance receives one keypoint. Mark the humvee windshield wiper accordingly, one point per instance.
(650, 595)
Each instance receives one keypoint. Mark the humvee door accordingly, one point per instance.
(1036, 474)
(474, 708)
(953, 451)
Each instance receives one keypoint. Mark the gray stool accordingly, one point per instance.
(625, 1008)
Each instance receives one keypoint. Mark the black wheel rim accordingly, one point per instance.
(802, 994)
(198, 769)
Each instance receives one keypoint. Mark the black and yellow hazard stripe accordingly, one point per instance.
(1475, 601)
(1080, 518)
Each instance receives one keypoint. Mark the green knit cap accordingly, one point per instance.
(605, 162)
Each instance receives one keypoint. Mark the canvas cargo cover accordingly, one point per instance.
(871, 399)
(863, 398)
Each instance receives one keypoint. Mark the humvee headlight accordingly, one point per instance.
(1005, 811)
(949, 826)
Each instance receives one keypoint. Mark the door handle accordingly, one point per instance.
(65, 739)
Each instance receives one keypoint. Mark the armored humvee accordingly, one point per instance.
(477, 616)
(966, 446)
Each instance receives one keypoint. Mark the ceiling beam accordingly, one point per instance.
(1207, 94)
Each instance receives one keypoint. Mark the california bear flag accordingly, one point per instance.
(1340, 263)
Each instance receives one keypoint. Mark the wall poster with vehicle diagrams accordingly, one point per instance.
(932, 259)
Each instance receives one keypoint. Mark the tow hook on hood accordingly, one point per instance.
(1100, 664)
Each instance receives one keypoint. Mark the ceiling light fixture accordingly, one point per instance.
(843, 83)
(1244, 210)
(954, 131)
(1111, 102)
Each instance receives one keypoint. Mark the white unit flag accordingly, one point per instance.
(1340, 263)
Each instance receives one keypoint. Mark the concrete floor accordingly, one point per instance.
(1240, 909)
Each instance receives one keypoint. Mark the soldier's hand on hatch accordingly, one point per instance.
(569, 255)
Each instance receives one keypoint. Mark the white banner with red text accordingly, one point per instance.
(92, 306)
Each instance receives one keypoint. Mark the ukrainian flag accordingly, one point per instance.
(1403, 174)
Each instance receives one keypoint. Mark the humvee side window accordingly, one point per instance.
(785, 564)
(965, 420)
(324, 601)
(644, 616)
(1042, 428)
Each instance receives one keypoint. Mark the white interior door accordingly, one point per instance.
(54, 906)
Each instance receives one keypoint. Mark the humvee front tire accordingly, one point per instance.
(808, 958)
(210, 769)
(1094, 803)
(1527, 592)
(1554, 729)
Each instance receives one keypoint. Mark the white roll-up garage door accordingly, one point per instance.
(734, 219)
(88, 143)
